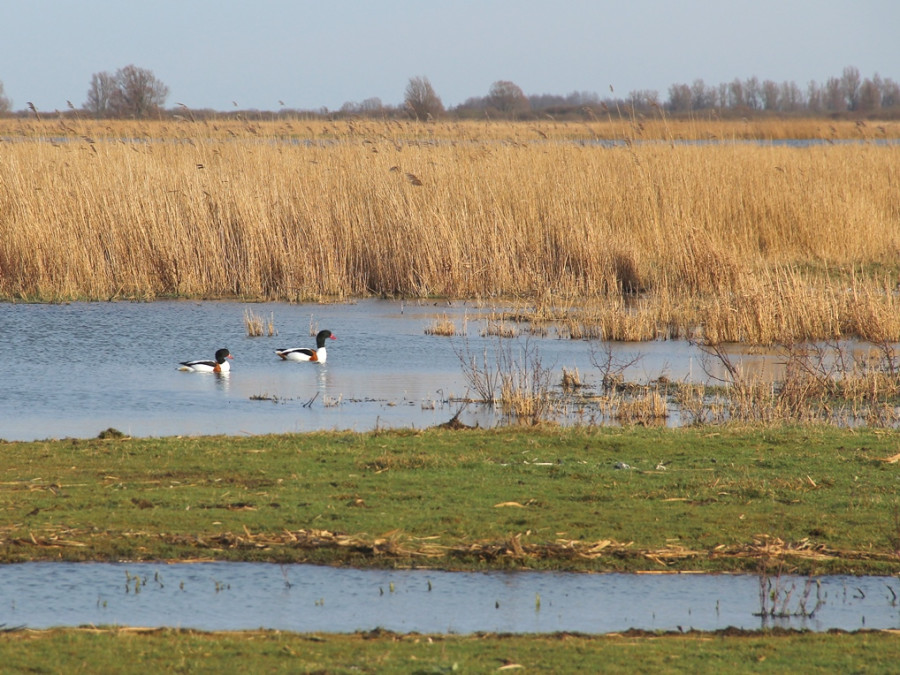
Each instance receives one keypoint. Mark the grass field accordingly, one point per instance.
(812, 499)
(136, 651)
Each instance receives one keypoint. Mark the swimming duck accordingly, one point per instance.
(305, 353)
(220, 365)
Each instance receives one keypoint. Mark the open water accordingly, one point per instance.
(307, 598)
(75, 369)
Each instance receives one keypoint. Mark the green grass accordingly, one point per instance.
(117, 651)
(819, 499)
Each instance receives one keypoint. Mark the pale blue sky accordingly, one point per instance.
(328, 52)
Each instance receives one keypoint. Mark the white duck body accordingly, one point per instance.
(318, 355)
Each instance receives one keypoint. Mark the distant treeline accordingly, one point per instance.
(136, 93)
(847, 95)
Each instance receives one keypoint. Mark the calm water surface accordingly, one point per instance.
(306, 598)
(73, 370)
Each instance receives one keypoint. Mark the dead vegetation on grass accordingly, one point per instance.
(400, 547)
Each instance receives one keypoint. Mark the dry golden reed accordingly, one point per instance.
(257, 326)
(725, 241)
(400, 133)
(443, 326)
(648, 408)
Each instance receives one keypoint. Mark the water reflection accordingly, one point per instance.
(304, 598)
(223, 380)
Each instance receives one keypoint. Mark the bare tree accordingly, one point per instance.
(790, 98)
(421, 100)
(736, 96)
(752, 92)
(579, 98)
(130, 92)
(680, 98)
(890, 93)
(850, 82)
(814, 96)
(722, 95)
(870, 94)
(138, 93)
(371, 106)
(100, 94)
(643, 99)
(5, 102)
(508, 98)
(770, 95)
(701, 95)
(834, 97)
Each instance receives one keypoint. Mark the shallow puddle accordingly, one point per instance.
(305, 598)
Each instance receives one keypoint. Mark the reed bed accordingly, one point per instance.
(308, 128)
(728, 241)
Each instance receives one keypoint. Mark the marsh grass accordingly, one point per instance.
(833, 382)
(779, 596)
(141, 650)
(443, 326)
(571, 380)
(499, 329)
(397, 133)
(734, 241)
(257, 326)
(646, 407)
(512, 377)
